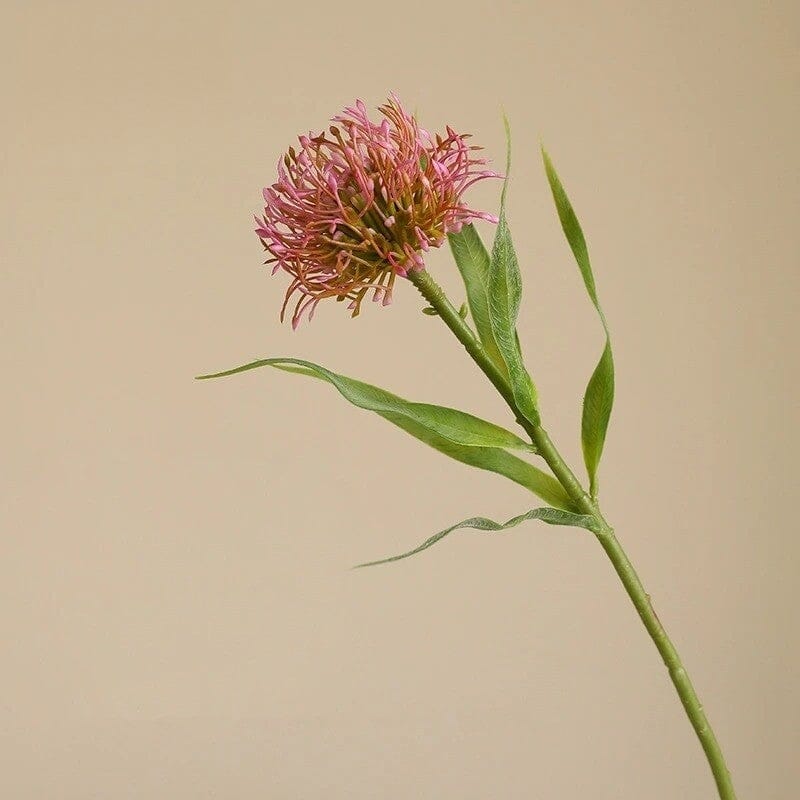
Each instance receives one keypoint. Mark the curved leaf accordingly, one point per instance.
(505, 293)
(599, 398)
(448, 423)
(552, 516)
(492, 459)
(419, 421)
(473, 262)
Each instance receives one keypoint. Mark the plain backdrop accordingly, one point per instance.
(178, 617)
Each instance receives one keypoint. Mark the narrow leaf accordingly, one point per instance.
(552, 516)
(473, 262)
(599, 398)
(492, 459)
(505, 293)
(449, 424)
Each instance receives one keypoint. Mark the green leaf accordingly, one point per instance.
(492, 459)
(448, 423)
(552, 516)
(452, 439)
(599, 398)
(473, 262)
(505, 293)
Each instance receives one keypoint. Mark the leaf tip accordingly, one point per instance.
(548, 162)
(507, 127)
(370, 564)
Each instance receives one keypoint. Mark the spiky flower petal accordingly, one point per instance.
(358, 205)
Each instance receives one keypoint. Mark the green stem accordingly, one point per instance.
(677, 672)
(434, 295)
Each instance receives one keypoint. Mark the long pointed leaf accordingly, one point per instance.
(493, 459)
(505, 293)
(415, 419)
(599, 398)
(551, 516)
(448, 423)
(473, 262)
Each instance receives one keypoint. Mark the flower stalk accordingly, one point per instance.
(355, 208)
(583, 503)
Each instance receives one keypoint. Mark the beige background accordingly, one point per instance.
(178, 619)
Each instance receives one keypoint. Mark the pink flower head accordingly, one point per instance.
(357, 206)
